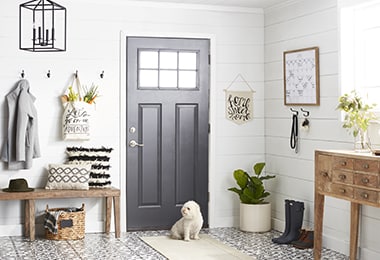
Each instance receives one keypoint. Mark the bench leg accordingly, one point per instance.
(26, 218)
(116, 208)
(108, 214)
(30, 219)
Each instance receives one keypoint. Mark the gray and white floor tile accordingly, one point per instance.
(130, 246)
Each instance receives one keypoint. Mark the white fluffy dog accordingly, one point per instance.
(190, 224)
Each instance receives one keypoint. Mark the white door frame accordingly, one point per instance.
(123, 123)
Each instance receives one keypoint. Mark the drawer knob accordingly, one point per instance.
(365, 180)
(343, 163)
(342, 177)
(366, 166)
(341, 190)
(364, 195)
(325, 174)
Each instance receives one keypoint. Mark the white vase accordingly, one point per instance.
(255, 217)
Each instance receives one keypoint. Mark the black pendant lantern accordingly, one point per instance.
(42, 26)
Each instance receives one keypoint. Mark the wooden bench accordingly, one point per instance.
(111, 195)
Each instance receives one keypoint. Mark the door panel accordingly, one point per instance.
(168, 96)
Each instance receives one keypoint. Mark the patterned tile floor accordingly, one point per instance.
(130, 246)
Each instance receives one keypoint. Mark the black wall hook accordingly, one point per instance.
(305, 112)
(102, 74)
(76, 74)
(294, 111)
(48, 74)
(22, 74)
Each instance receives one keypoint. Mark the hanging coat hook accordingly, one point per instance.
(76, 74)
(48, 74)
(102, 74)
(305, 112)
(294, 111)
(22, 74)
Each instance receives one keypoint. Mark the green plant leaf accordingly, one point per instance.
(236, 190)
(258, 168)
(241, 178)
(267, 177)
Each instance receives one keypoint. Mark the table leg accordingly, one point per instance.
(319, 202)
(354, 230)
(108, 214)
(116, 207)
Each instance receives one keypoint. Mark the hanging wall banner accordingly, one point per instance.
(239, 106)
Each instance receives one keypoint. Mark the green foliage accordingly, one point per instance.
(357, 114)
(251, 188)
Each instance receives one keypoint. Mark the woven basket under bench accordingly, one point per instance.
(73, 224)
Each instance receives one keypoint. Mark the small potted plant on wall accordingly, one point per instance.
(255, 212)
(357, 119)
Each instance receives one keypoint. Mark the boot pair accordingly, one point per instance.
(293, 222)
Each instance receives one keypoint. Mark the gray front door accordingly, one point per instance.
(167, 129)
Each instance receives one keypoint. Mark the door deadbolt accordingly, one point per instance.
(132, 129)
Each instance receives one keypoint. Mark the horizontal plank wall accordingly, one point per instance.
(295, 25)
(93, 46)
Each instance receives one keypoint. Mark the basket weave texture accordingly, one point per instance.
(76, 231)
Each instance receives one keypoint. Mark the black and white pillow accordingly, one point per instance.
(68, 177)
(99, 158)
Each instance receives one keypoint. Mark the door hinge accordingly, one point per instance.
(209, 59)
(209, 128)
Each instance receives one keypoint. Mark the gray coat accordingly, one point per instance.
(22, 144)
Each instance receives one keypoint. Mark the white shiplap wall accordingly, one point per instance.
(295, 25)
(94, 43)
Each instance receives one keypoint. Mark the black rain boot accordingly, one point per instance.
(296, 219)
(287, 221)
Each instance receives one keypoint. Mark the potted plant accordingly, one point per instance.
(255, 212)
(357, 118)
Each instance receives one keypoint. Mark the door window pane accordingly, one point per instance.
(168, 79)
(188, 60)
(148, 78)
(168, 60)
(187, 79)
(148, 59)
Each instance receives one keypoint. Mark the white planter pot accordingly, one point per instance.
(255, 217)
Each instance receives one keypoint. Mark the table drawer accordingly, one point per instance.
(323, 179)
(342, 190)
(342, 177)
(366, 195)
(366, 165)
(366, 180)
(343, 163)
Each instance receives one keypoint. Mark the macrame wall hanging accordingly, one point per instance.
(239, 103)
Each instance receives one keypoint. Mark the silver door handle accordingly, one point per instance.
(133, 143)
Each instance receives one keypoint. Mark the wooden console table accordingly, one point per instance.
(345, 175)
(111, 195)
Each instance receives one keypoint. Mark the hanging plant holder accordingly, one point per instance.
(42, 26)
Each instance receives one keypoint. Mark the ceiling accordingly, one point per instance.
(232, 3)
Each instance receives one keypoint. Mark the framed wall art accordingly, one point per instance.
(301, 77)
